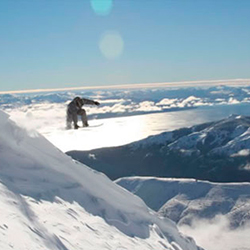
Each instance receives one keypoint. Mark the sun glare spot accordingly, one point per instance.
(102, 7)
(111, 45)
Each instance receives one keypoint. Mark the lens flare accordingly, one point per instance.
(102, 7)
(111, 45)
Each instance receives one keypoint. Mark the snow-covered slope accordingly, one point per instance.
(186, 200)
(48, 201)
(215, 151)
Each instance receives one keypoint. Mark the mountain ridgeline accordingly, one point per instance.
(216, 151)
(185, 200)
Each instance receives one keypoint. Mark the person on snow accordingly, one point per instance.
(74, 109)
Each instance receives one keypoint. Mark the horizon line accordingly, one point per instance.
(230, 82)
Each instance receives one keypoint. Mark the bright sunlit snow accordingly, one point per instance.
(48, 201)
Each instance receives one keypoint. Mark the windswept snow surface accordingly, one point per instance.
(215, 214)
(49, 201)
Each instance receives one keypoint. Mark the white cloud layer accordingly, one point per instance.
(46, 112)
(216, 234)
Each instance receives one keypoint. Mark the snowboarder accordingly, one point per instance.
(74, 109)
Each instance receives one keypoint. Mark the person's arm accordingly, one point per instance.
(90, 102)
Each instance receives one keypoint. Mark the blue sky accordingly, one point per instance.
(56, 43)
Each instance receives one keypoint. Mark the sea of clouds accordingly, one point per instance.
(124, 102)
(47, 110)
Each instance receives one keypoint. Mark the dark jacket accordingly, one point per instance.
(77, 103)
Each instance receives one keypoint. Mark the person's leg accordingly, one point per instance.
(75, 119)
(84, 118)
(69, 120)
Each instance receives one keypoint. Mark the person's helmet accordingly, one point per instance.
(78, 101)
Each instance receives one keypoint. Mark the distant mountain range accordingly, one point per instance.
(138, 100)
(215, 151)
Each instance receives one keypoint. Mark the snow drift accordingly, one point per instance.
(49, 201)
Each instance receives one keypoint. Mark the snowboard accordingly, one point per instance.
(90, 126)
(93, 125)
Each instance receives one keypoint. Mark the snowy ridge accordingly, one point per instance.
(215, 214)
(185, 200)
(227, 136)
(224, 137)
(57, 203)
(161, 139)
(215, 151)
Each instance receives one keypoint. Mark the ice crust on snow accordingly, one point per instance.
(41, 187)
